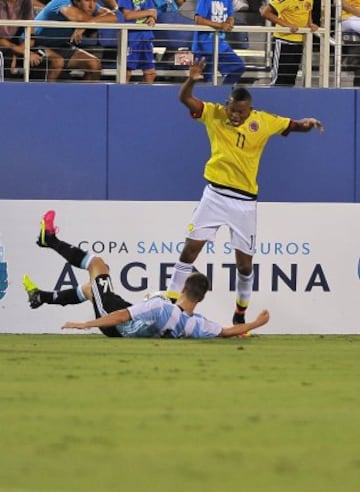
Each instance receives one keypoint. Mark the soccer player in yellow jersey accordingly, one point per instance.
(288, 47)
(238, 134)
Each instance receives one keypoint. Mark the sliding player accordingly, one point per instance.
(115, 317)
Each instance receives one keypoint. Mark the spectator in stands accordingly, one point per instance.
(140, 43)
(219, 15)
(115, 317)
(288, 47)
(64, 41)
(12, 45)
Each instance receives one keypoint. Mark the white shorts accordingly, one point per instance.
(216, 210)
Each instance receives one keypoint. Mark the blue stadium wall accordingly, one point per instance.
(111, 142)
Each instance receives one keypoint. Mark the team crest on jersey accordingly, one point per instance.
(307, 6)
(253, 126)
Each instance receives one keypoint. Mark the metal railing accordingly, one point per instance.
(122, 42)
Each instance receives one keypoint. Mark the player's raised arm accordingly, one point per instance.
(186, 91)
(242, 328)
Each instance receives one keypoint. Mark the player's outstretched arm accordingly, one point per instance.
(305, 125)
(112, 319)
(240, 329)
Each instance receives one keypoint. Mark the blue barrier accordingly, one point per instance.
(137, 142)
(53, 141)
(356, 146)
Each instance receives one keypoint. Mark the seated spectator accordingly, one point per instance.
(12, 44)
(64, 41)
(140, 43)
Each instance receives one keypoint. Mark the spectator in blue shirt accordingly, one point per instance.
(218, 14)
(140, 43)
(64, 40)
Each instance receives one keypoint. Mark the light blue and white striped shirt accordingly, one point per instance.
(157, 317)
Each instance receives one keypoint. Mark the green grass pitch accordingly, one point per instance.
(86, 413)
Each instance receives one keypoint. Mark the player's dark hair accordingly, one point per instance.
(240, 94)
(196, 286)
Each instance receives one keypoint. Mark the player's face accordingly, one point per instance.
(237, 111)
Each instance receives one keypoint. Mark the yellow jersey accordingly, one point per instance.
(236, 151)
(296, 12)
(352, 3)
